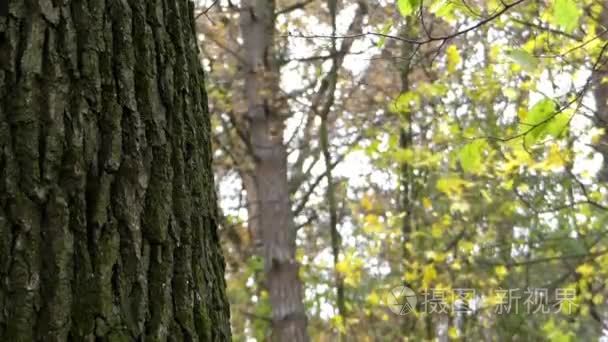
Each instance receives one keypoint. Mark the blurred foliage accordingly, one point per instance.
(499, 175)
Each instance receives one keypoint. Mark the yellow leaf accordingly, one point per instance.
(428, 275)
(453, 57)
(555, 160)
(501, 271)
(372, 224)
(466, 246)
(366, 203)
(585, 270)
(373, 298)
(436, 230)
(518, 157)
(342, 267)
(452, 186)
(426, 203)
(596, 135)
(351, 268)
(598, 299)
(338, 322)
(453, 332)
(410, 276)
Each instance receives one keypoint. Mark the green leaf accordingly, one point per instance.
(547, 119)
(443, 9)
(523, 58)
(404, 102)
(541, 111)
(406, 7)
(404, 155)
(566, 14)
(471, 156)
(558, 125)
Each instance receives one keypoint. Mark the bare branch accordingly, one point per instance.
(291, 8)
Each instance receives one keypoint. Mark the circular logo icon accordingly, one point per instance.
(401, 300)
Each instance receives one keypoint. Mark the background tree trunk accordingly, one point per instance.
(600, 93)
(270, 202)
(107, 204)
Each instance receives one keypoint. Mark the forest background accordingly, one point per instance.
(366, 146)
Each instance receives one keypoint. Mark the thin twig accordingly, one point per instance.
(206, 10)
(418, 41)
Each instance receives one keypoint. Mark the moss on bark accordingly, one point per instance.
(107, 204)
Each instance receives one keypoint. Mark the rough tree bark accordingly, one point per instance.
(107, 207)
(266, 114)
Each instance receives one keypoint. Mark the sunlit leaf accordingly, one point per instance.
(501, 271)
(453, 333)
(426, 203)
(404, 102)
(540, 112)
(452, 186)
(342, 267)
(443, 9)
(406, 7)
(598, 299)
(373, 298)
(404, 155)
(566, 14)
(372, 224)
(585, 270)
(453, 58)
(542, 120)
(471, 156)
(555, 334)
(428, 275)
(558, 124)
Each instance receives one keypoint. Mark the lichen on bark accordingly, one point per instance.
(107, 204)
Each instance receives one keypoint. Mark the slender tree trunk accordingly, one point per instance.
(336, 238)
(600, 93)
(107, 204)
(406, 176)
(266, 126)
(406, 142)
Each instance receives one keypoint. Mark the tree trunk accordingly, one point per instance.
(273, 204)
(407, 185)
(600, 93)
(107, 204)
(330, 194)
